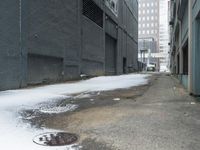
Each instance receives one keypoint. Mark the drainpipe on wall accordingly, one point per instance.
(20, 41)
(190, 78)
(180, 48)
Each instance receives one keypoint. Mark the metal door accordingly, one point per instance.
(110, 58)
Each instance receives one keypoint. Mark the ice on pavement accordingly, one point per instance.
(17, 135)
(62, 91)
(57, 109)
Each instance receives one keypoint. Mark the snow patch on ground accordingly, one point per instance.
(18, 135)
(59, 109)
(116, 99)
(62, 91)
(82, 95)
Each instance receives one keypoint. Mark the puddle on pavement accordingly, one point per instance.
(56, 139)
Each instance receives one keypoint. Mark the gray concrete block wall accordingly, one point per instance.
(196, 48)
(130, 24)
(93, 52)
(177, 52)
(56, 42)
(53, 28)
(119, 63)
(10, 53)
(44, 69)
(184, 26)
(54, 32)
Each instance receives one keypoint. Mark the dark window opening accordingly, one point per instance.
(93, 12)
(124, 64)
(185, 60)
(178, 64)
(112, 5)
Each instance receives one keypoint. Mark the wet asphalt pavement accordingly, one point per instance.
(157, 116)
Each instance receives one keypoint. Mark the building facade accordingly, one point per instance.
(184, 44)
(164, 34)
(147, 49)
(51, 41)
(149, 19)
(153, 15)
(149, 30)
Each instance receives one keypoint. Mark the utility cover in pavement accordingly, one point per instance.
(56, 139)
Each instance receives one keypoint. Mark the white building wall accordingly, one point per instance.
(164, 33)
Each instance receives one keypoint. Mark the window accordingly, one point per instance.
(93, 12)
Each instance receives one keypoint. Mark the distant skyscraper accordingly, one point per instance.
(149, 30)
(153, 24)
(164, 33)
(149, 20)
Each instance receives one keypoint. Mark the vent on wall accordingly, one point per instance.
(93, 12)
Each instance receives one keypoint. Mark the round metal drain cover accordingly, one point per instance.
(56, 139)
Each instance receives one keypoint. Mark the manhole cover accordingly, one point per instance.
(56, 139)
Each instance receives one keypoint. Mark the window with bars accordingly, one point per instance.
(93, 12)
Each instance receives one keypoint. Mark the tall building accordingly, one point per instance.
(149, 19)
(149, 29)
(50, 41)
(164, 34)
(153, 18)
(184, 43)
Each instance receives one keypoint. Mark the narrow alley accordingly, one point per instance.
(157, 116)
(100, 75)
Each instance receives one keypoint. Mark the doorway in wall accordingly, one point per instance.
(110, 58)
(185, 59)
(178, 64)
(124, 65)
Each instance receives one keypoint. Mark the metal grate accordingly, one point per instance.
(55, 139)
(93, 12)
